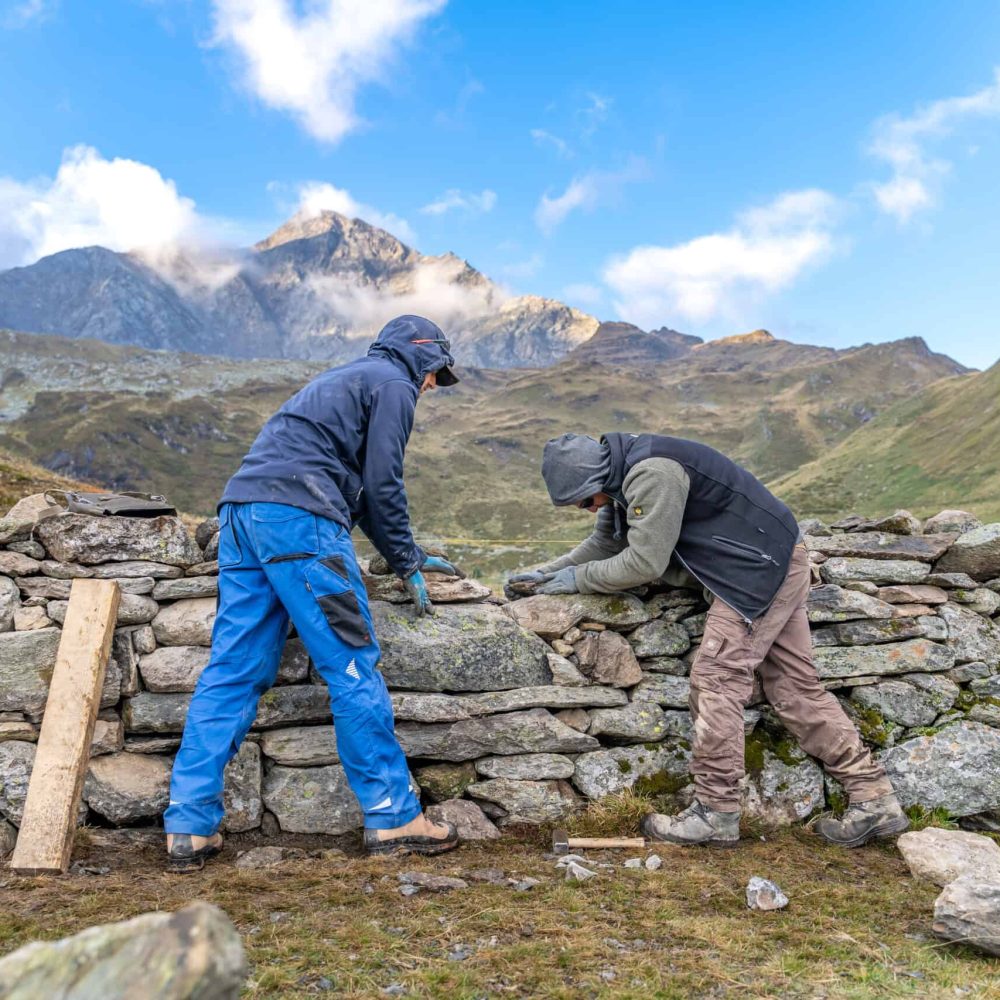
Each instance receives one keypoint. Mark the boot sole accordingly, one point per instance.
(890, 829)
(428, 850)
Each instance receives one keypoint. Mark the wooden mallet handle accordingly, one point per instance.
(639, 843)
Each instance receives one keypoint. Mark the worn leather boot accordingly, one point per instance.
(188, 853)
(864, 821)
(696, 825)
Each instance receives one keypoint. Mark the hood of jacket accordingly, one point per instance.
(409, 341)
(574, 466)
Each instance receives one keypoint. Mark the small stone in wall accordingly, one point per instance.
(109, 735)
(29, 619)
(186, 623)
(882, 571)
(241, 792)
(832, 603)
(575, 718)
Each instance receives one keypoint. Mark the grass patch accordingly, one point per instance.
(857, 926)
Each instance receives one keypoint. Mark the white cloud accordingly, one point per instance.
(543, 138)
(119, 204)
(901, 143)
(594, 114)
(319, 196)
(722, 273)
(460, 201)
(19, 15)
(586, 192)
(312, 64)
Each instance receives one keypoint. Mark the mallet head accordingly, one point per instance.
(560, 842)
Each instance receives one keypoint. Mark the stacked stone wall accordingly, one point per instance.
(519, 711)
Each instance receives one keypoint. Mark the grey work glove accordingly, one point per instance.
(563, 582)
(532, 576)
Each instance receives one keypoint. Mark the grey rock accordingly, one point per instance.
(814, 526)
(27, 619)
(28, 547)
(152, 744)
(26, 663)
(17, 564)
(882, 571)
(550, 617)
(977, 553)
(951, 522)
(869, 632)
(861, 586)
(889, 658)
(301, 746)
(148, 712)
(974, 671)
(941, 856)
(241, 790)
(137, 568)
(14, 529)
(173, 668)
(269, 856)
(203, 533)
(578, 873)
(8, 838)
(186, 587)
(209, 568)
(575, 718)
(956, 769)
(435, 883)
(416, 706)
(132, 610)
(663, 689)
(92, 540)
(875, 545)
(109, 736)
(935, 627)
(970, 636)
(528, 801)
(986, 712)
(293, 704)
(186, 623)
(462, 648)
(659, 638)
(564, 672)
(609, 771)
(532, 731)
(902, 522)
(470, 821)
(124, 787)
(831, 603)
(441, 782)
(918, 593)
(10, 603)
(312, 800)
(982, 600)
(65, 571)
(914, 700)
(782, 793)
(16, 761)
(127, 661)
(665, 665)
(440, 589)
(193, 953)
(968, 912)
(550, 696)
(960, 581)
(526, 767)
(294, 665)
(987, 685)
(143, 639)
(607, 658)
(19, 729)
(42, 586)
(763, 894)
(638, 722)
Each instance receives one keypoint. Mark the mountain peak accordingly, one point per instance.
(306, 226)
(740, 339)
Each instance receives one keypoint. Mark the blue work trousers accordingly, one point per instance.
(276, 563)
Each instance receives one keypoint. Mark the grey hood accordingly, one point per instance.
(575, 466)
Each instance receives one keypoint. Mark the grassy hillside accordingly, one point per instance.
(939, 449)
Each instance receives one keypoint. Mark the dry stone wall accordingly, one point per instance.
(519, 711)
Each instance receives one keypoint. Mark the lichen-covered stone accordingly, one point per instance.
(977, 553)
(528, 801)
(526, 767)
(186, 623)
(186, 587)
(551, 616)
(564, 672)
(90, 540)
(17, 758)
(441, 782)
(549, 696)
(882, 571)
(135, 568)
(293, 704)
(913, 700)
(889, 658)
(148, 712)
(124, 788)
(193, 953)
(10, 602)
(782, 791)
(968, 912)
(660, 638)
(532, 731)
(417, 706)
(880, 546)
(301, 746)
(612, 770)
(831, 603)
(460, 648)
(868, 632)
(970, 636)
(951, 522)
(241, 790)
(26, 663)
(665, 665)
(663, 689)
(956, 769)
(607, 658)
(312, 800)
(638, 722)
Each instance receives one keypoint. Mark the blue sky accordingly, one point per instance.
(829, 172)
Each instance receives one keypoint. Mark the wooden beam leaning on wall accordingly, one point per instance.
(45, 840)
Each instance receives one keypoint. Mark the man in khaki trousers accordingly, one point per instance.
(666, 505)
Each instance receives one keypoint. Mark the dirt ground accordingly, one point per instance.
(336, 923)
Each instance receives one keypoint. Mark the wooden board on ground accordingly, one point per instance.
(45, 840)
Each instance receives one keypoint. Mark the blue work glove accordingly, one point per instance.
(563, 582)
(416, 586)
(435, 564)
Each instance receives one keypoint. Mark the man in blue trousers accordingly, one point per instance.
(330, 458)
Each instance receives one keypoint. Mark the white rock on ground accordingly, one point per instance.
(941, 856)
(968, 912)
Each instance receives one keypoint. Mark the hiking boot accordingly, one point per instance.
(413, 842)
(696, 825)
(864, 821)
(187, 853)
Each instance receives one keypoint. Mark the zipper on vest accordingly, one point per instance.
(746, 621)
(742, 546)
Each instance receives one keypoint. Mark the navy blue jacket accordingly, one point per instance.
(336, 447)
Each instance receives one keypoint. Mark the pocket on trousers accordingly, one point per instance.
(337, 601)
(283, 533)
(229, 547)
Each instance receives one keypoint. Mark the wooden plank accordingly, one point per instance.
(45, 840)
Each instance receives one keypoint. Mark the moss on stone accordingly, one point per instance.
(872, 724)
(625, 767)
(761, 742)
(663, 783)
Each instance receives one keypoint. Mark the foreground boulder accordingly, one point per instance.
(82, 538)
(193, 953)
(968, 912)
(941, 856)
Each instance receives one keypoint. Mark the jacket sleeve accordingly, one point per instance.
(600, 544)
(385, 518)
(656, 492)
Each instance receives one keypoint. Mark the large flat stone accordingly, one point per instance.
(90, 540)
(301, 746)
(868, 632)
(186, 623)
(532, 731)
(440, 589)
(638, 722)
(526, 767)
(418, 706)
(914, 700)
(527, 801)
(549, 696)
(881, 545)
(882, 571)
(26, 663)
(312, 799)
(126, 787)
(831, 603)
(460, 648)
(185, 588)
(136, 568)
(551, 616)
(977, 553)
(890, 658)
(956, 769)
